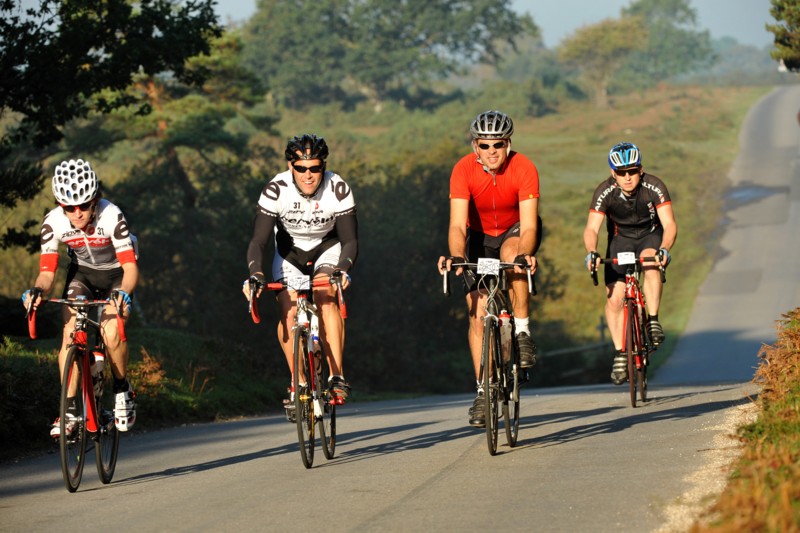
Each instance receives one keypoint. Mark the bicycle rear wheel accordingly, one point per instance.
(630, 349)
(490, 369)
(327, 417)
(510, 382)
(304, 408)
(107, 438)
(72, 441)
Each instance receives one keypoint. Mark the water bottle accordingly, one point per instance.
(314, 329)
(315, 348)
(505, 334)
(97, 372)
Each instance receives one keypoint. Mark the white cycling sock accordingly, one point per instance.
(522, 325)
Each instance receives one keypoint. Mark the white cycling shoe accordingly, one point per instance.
(72, 423)
(125, 410)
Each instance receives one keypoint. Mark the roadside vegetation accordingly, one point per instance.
(763, 492)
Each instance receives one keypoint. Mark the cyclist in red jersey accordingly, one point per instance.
(639, 218)
(103, 265)
(494, 212)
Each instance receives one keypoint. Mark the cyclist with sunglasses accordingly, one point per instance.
(310, 214)
(494, 213)
(103, 265)
(639, 218)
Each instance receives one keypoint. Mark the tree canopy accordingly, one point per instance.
(787, 32)
(65, 59)
(600, 50)
(673, 45)
(312, 51)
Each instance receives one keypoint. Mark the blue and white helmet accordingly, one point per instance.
(624, 155)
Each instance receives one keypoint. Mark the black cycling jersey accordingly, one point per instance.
(635, 215)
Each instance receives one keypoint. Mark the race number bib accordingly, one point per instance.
(626, 258)
(488, 266)
(298, 283)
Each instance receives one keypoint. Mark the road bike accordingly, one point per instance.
(636, 341)
(500, 371)
(314, 402)
(91, 421)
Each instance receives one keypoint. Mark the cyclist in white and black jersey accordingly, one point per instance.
(103, 264)
(639, 218)
(310, 213)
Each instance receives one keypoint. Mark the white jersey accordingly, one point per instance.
(306, 220)
(103, 244)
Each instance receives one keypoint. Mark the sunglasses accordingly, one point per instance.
(83, 207)
(496, 146)
(628, 171)
(302, 170)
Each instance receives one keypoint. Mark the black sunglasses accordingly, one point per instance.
(302, 170)
(628, 171)
(496, 146)
(83, 207)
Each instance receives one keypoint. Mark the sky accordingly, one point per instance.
(743, 20)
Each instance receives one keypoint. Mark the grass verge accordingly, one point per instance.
(763, 492)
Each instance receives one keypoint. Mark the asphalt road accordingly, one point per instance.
(586, 460)
(755, 279)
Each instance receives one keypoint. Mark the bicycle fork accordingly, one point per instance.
(89, 405)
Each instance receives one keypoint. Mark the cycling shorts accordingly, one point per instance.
(614, 273)
(297, 262)
(91, 283)
(481, 245)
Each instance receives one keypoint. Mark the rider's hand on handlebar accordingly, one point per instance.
(123, 300)
(32, 298)
(526, 260)
(254, 282)
(344, 278)
(445, 264)
(591, 260)
(664, 257)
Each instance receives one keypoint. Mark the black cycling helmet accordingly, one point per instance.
(492, 125)
(310, 147)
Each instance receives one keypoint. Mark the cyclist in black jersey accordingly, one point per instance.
(639, 218)
(309, 213)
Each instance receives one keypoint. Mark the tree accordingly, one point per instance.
(601, 49)
(67, 58)
(193, 172)
(787, 33)
(673, 46)
(312, 51)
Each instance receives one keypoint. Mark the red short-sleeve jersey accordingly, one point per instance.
(494, 200)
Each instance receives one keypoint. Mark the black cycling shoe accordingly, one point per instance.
(619, 370)
(527, 350)
(656, 332)
(477, 413)
(339, 387)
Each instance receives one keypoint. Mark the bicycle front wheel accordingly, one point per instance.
(327, 417)
(490, 381)
(630, 348)
(510, 374)
(72, 417)
(304, 408)
(107, 438)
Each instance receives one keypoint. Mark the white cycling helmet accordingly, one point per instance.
(492, 125)
(74, 182)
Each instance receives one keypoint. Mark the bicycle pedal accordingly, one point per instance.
(337, 400)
